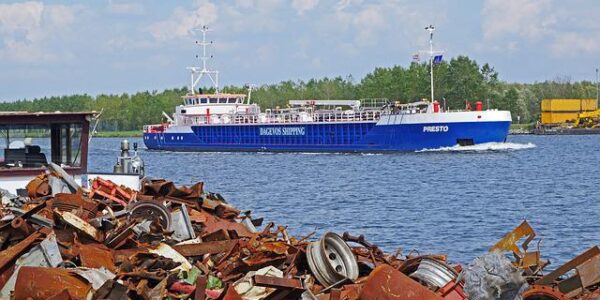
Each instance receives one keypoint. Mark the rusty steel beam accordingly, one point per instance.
(570, 265)
(277, 283)
(199, 249)
(9, 255)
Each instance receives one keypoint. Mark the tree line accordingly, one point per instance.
(457, 81)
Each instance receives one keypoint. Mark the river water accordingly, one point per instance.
(457, 201)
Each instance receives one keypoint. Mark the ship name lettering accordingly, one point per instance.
(435, 128)
(282, 131)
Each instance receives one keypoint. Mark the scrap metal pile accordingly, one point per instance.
(110, 242)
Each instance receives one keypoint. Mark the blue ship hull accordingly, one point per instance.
(327, 137)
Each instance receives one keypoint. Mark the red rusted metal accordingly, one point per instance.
(42, 283)
(73, 203)
(38, 186)
(11, 254)
(231, 294)
(452, 291)
(62, 295)
(200, 293)
(567, 286)
(540, 292)
(387, 283)
(206, 247)
(277, 283)
(96, 256)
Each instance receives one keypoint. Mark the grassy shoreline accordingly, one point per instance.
(113, 134)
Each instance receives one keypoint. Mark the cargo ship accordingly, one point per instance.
(231, 122)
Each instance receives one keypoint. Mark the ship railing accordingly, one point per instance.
(332, 117)
(374, 102)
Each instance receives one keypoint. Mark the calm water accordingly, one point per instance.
(454, 202)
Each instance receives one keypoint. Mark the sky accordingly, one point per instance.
(54, 48)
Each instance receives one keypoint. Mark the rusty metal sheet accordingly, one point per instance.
(217, 235)
(42, 283)
(570, 265)
(212, 247)
(96, 256)
(589, 271)
(213, 223)
(351, 291)
(387, 283)
(278, 283)
(231, 294)
(62, 295)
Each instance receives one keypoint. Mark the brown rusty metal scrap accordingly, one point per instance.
(587, 273)
(540, 292)
(199, 249)
(385, 283)
(9, 255)
(42, 283)
(75, 203)
(95, 256)
(38, 186)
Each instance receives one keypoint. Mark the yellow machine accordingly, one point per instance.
(588, 119)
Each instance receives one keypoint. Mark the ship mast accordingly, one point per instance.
(432, 53)
(196, 72)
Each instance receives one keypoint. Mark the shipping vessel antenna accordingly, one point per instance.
(197, 73)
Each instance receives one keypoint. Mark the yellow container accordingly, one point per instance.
(589, 104)
(569, 105)
(558, 117)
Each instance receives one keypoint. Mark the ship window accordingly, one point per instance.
(233, 100)
(213, 100)
(33, 146)
(196, 101)
(203, 100)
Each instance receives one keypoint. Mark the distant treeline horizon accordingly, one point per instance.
(457, 81)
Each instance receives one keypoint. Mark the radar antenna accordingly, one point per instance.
(198, 73)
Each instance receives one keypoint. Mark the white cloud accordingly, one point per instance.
(26, 28)
(20, 17)
(304, 5)
(372, 21)
(125, 8)
(521, 18)
(574, 44)
(508, 25)
(183, 22)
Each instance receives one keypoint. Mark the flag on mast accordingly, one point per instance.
(415, 58)
(437, 59)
